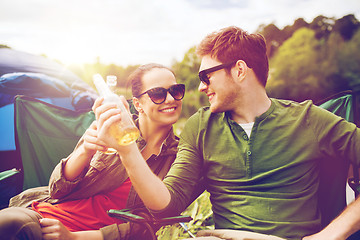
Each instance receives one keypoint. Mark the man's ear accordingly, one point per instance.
(137, 105)
(241, 69)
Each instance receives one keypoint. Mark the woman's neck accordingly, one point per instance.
(153, 134)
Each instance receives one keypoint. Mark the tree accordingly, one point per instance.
(322, 26)
(186, 71)
(273, 38)
(4, 46)
(347, 26)
(294, 69)
(349, 61)
(332, 79)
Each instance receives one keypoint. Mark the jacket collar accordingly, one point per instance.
(169, 146)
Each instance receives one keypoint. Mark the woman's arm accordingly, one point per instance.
(63, 177)
(82, 155)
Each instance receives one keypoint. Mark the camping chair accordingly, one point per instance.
(9, 186)
(37, 85)
(333, 175)
(150, 223)
(45, 133)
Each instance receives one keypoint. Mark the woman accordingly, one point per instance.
(89, 182)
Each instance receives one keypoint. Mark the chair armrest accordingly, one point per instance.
(126, 215)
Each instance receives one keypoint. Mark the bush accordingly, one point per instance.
(200, 211)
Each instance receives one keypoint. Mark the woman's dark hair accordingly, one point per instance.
(135, 78)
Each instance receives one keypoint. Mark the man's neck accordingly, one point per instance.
(251, 107)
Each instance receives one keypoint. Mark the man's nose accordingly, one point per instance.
(202, 87)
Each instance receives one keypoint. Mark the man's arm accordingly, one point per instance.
(338, 138)
(347, 223)
(149, 187)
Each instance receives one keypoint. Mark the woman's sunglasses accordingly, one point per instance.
(158, 95)
(203, 75)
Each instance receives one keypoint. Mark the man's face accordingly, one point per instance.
(221, 87)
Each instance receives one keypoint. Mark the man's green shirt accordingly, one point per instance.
(267, 183)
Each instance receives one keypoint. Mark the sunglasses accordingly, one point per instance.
(203, 75)
(158, 95)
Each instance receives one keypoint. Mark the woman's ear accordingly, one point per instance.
(137, 105)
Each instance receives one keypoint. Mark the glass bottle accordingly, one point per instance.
(125, 132)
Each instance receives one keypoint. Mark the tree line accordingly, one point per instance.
(313, 60)
(307, 61)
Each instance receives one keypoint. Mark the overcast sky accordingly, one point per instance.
(140, 31)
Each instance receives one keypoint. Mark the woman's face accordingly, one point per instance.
(166, 113)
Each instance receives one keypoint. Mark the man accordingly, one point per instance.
(257, 156)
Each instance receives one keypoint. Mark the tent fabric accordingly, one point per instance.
(38, 77)
(54, 75)
(7, 137)
(42, 86)
(12, 61)
(35, 85)
(44, 135)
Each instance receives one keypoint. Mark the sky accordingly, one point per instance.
(130, 32)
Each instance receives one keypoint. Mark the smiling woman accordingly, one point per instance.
(82, 187)
(158, 97)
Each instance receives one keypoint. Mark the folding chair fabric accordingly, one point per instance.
(45, 134)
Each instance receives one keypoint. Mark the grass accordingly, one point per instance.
(200, 211)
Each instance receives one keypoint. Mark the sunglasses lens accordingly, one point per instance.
(177, 91)
(204, 78)
(157, 95)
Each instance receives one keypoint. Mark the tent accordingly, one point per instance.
(16, 61)
(38, 77)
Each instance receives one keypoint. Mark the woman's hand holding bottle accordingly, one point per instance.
(91, 141)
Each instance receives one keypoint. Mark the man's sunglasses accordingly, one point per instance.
(158, 95)
(203, 75)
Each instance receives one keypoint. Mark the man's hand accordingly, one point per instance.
(108, 116)
(222, 234)
(53, 229)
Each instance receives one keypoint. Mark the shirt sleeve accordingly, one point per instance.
(59, 186)
(336, 137)
(185, 173)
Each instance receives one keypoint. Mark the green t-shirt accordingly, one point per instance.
(267, 183)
